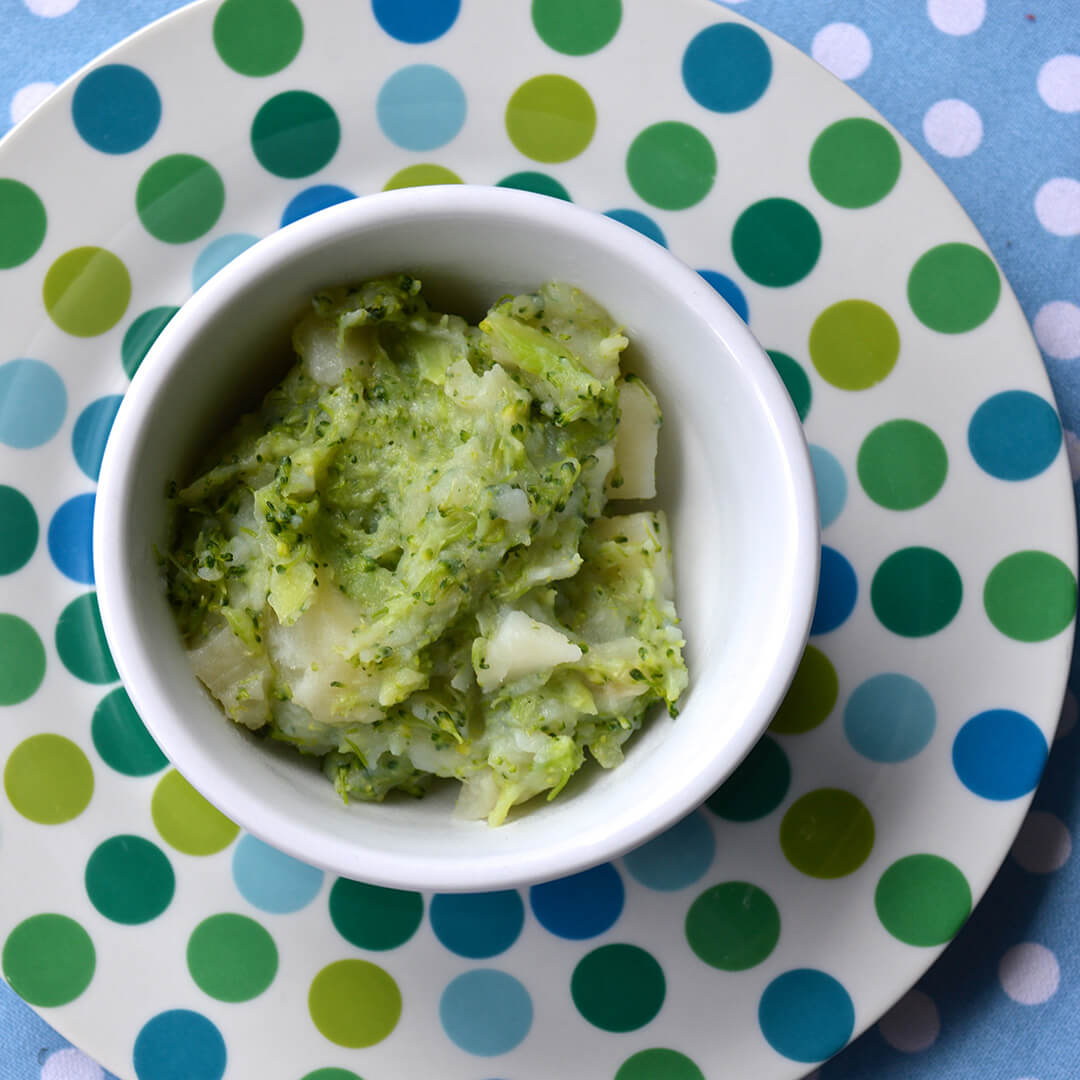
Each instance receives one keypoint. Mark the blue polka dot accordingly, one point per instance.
(421, 107)
(179, 1045)
(640, 222)
(727, 67)
(806, 1015)
(116, 109)
(32, 403)
(486, 1012)
(217, 254)
(1014, 435)
(837, 591)
(999, 754)
(91, 432)
(416, 21)
(831, 484)
(313, 199)
(580, 906)
(675, 858)
(69, 539)
(729, 291)
(271, 880)
(889, 718)
(477, 925)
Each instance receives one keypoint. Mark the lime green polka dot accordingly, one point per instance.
(954, 288)
(827, 833)
(22, 223)
(331, 1074)
(80, 641)
(421, 175)
(180, 198)
(372, 917)
(923, 900)
(186, 820)
(902, 464)
(756, 788)
(854, 344)
(776, 242)
(121, 738)
(795, 380)
(354, 1003)
(733, 926)
(232, 957)
(129, 880)
(550, 118)
(1030, 596)
(86, 291)
(295, 134)
(855, 162)
(574, 28)
(258, 37)
(659, 1063)
(48, 779)
(810, 698)
(671, 165)
(916, 591)
(48, 960)
(19, 534)
(22, 660)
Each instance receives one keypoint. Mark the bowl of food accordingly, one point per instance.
(455, 538)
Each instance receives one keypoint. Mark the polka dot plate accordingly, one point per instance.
(760, 934)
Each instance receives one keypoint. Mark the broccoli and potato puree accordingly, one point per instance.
(403, 564)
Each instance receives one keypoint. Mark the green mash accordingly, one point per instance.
(402, 562)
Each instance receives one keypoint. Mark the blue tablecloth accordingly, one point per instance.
(992, 99)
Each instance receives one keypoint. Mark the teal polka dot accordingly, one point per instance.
(295, 134)
(130, 880)
(806, 1015)
(18, 529)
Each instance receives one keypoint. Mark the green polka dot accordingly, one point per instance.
(86, 291)
(795, 380)
(854, 344)
(186, 820)
(756, 788)
(22, 223)
(902, 464)
(22, 660)
(916, 592)
(80, 641)
(923, 900)
(258, 37)
(810, 698)
(48, 779)
(550, 118)
(954, 288)
(776, 242)
(354, 1003)
(372, 917)
(121, 738)
(827, 833)
(232, 957)
(129, 880)
(331, 1074)
(537, 182)
(180, 198)
(574, 28)
(421, 175)
(659, 1063)
(48, 960)
(618, 987)
(733, 926)
(1030, 596)
(855, 163)
(671, 165)
(295, 134)
(141, 334)
(18, 533)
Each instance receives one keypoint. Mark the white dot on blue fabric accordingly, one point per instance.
(676, 858)
(116, 109)
(33, 402)
(837, 592)
(999, 754)
(69, 539)
(477, 925)
(271, 880)
(639, 222)
(217, 254)
(1014, 435)
(729, 291)
(91, 432)
(416, 21)
(806, 1015)
(727, 67)
(179, 1045)
(579, 906)
(889, 718)
(313, 199)
(421, 107)
(486, 1012)
(831, 484)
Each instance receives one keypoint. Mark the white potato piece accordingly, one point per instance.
(522, 646)
(636, 439)
(236, 677)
